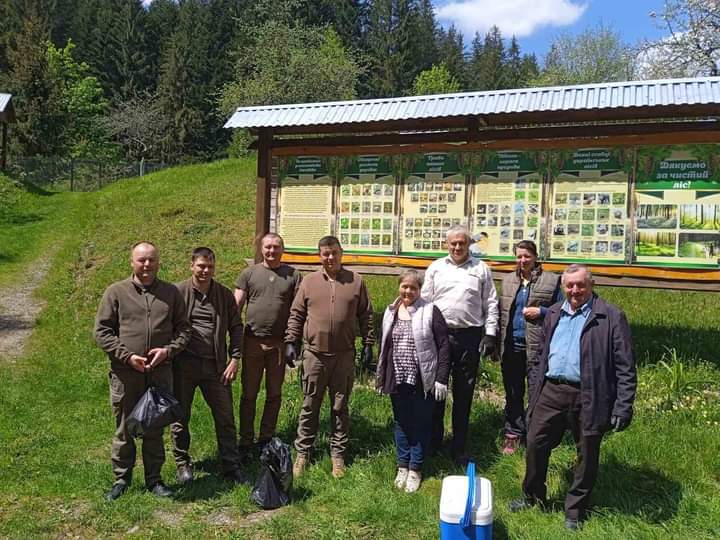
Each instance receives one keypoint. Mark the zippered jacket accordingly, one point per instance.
(326, 313)
(130, 321)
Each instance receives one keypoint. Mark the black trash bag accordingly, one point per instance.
(156, 408)
(272, 489)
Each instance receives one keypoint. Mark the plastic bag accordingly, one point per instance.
(272, 489)
(156, 408)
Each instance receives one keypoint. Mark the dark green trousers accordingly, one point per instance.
(126, 387)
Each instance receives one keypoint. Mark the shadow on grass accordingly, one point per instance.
(21, 219)
(14, 323)
(205, 486)
(636, 491)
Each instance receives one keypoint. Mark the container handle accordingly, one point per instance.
(467, 516)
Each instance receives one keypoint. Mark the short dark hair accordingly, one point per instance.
(528, 245)
(273, 235)
(329, 241)
(204, 252)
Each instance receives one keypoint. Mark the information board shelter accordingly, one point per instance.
(622, 176)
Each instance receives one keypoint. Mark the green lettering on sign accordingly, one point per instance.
(436, 163)
(592, 159)
(682, 174)
(509, 161)
(369, 165)
(306, 165)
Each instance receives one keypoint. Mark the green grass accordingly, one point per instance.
(659, 479)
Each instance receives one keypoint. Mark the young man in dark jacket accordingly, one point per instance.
(586, 383)
(213, 316)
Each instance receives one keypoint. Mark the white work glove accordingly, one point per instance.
(440, 391)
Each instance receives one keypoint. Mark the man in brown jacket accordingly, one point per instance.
(213, 316)
(326, 311)
(141, 324)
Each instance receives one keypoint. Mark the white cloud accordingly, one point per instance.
(514, 17)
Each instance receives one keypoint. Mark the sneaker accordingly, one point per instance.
(413, 481)
(301, 461)
(338, 466)
(510, 445)
(184, 474)
(525, 503)
(401, 477)
(160, 490)
(572, 524)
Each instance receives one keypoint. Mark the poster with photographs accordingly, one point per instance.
(433, 200)
(305, 202)
(677, 212)
(588, 208)
(366, 206)
(506, 205)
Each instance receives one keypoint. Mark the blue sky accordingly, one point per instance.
(537, 22)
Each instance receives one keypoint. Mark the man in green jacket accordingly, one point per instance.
(213, 316)
(141, 324)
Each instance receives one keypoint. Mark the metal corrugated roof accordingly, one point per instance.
(606, 96)
(4, 100)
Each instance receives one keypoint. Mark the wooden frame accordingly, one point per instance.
(475, 137)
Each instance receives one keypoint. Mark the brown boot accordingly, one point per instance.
(338, 466)
(301, 461)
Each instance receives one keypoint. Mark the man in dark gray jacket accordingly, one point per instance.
(586, 383)
(213, 316)
(141, 324)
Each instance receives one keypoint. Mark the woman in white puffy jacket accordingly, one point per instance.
(413, 370)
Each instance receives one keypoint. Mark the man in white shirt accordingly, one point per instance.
(462, 288)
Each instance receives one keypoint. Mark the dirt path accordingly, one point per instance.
(19, 308)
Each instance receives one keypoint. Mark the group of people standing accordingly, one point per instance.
(575, 356)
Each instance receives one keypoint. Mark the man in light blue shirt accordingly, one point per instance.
(564, 354)
(587, 383)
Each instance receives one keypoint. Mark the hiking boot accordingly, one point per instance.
(301, 461)
(238, 476)
(401, 478)
(246, 453)
(510, 445)
(184, 474)
(338, 466)
(413, 481)
(116, 491)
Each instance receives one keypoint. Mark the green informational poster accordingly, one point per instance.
(366, 205)
(304, 202)
(678, 206)
(506, 203)
(588, 219)
(433, 200)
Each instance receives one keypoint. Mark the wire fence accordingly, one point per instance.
(67, 174)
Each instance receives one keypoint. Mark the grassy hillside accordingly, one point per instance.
(660, 479)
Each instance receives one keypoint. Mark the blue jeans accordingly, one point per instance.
(413, 412)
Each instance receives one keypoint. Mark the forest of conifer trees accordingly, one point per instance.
(133, 79)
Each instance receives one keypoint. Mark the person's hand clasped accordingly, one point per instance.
(137, 362)
(531, 313)
(440, 391)
(155, 357)
(230, 373)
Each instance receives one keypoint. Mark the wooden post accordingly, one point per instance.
(262, 193)
(3, 157)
